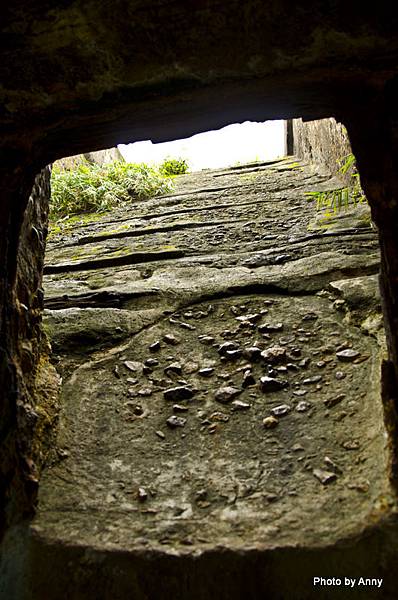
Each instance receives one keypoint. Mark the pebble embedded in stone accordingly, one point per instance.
(296, 352)
(178, 393)
(151, 362)
(63, 453)
(142, 494)
(171, 339)
(270, 384)
(227, 347)
(300, 392)
(233, 354)
(332, 465)
(248, 379)
(297, 448)
(323, 476)
(134, 366)
(272, 497)
(274, 354)
(226, 394)
(281, 258)
(311, 380)
(347, 355)
(239, 405)
(187, 326)
(281, 410)
(303, 406)
(206, 339)
(351, 445)
(155, 347)
(201, 495)
(173, 321)
(226, 333)
(179, 408)
(173, 422)
(270, 422)
(147, 391)
(220, 417)
(304, 363)
(340, 416)
(270, 327)
(339, 375)
(206, 372)
(253, 318)
(311, 316)
(174, 367)
(344, 346)
(292, 367)
(160, 434)
(253, 353)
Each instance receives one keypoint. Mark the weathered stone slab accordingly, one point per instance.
(226, 479)
(360, 292)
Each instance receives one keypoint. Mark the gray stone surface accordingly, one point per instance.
(324, 142)
(101, 157)
(224, 463)
(90, 497)
(361, 292)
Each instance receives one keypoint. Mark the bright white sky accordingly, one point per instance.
(237, 143)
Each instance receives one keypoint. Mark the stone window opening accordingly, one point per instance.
(233, 375)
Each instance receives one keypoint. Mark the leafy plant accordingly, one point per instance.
(342, 197)
(97, 188)
(173, 166)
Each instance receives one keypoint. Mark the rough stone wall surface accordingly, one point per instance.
(101, 157)
(323, 142)
(30, 398)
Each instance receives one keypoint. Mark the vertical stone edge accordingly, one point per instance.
(29, 383)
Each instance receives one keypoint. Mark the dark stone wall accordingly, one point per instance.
(323, 142)
(28, 383)
(373, 131)
(83, 75)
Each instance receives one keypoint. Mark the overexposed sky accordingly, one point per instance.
(236, 143)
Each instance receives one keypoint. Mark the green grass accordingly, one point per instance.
(173, 166)
(92, 188)
(342, 197)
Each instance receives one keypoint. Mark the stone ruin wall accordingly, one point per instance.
(101, 157)
(323, 142)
